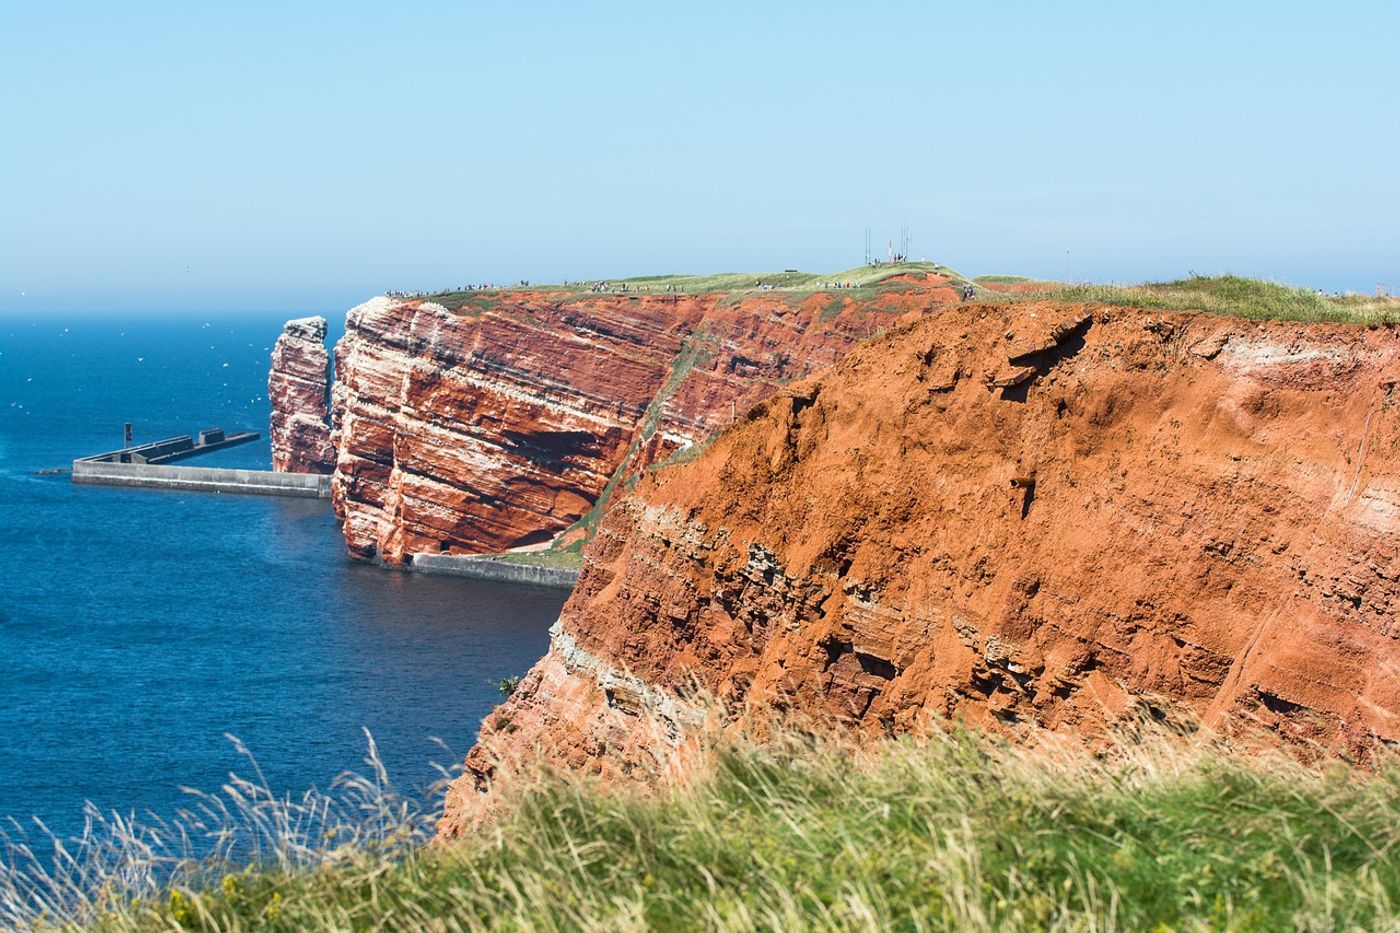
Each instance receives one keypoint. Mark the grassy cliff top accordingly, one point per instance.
(1221, 294)
(725, 283)
(1229, 295)
(861, 276)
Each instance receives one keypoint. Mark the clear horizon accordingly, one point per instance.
(256, 158)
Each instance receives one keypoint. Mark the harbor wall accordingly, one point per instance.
(202, 479)
(480, 568)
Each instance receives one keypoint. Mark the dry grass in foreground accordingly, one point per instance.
(959, 832)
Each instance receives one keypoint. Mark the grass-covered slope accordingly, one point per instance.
(1226, 294)
(802, 833)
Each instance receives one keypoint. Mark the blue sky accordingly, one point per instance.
(302, 157)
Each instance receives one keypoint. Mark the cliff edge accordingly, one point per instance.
(495, 420)
(1034, 516)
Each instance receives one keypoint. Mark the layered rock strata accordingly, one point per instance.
(497, 420)
(298, 389)
(1030, 517)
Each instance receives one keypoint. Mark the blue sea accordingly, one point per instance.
(138, 628)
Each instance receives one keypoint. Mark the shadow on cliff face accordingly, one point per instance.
(1046, 360)
(552, 450)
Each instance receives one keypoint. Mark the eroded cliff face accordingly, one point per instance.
(298, 389)
(498, 424)
(1204, 524)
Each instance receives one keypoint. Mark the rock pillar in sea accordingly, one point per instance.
(298, 388)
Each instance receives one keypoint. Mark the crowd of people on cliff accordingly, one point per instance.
(622, 288)
(484, 287)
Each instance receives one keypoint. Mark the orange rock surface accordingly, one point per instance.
(499, 423)
(1184, 516)
(298, 389)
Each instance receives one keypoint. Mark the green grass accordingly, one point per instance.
(471, 303)
(695, 350)
(807, 832)
(1229, 295)
(722, 283)
(1223, 294)
(1003, 279)
(794, 281)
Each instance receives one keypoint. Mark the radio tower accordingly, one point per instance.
(904, 240)
(867, 246)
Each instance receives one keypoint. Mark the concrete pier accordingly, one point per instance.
(485, 568)
(147, 465)
(202, 479)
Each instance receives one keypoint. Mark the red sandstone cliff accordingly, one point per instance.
(1205, 523)
(497, 424)
(298, 388)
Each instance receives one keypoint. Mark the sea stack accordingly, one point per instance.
(298, 387)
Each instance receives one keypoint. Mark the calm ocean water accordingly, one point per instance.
(138, 627)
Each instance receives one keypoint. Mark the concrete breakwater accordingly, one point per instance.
(485, 568)
(202, 479)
